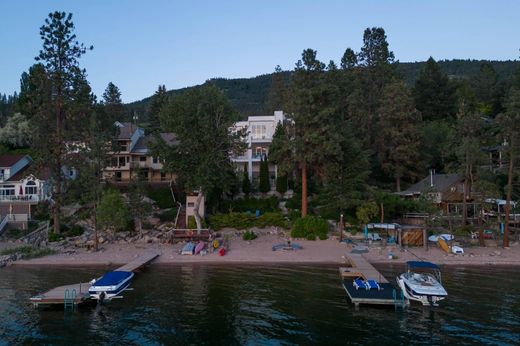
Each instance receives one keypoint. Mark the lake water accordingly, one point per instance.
(258, 305)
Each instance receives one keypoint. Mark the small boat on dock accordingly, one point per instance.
(110, 285)
(425, 286)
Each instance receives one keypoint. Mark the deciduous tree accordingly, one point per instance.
(201, 119)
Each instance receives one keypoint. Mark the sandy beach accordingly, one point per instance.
(328, 251)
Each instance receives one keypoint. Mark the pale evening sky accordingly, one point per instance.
(141, 44)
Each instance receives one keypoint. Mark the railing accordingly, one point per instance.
(4, 222)
(24, 198)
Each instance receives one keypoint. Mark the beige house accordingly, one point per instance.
(133, 156)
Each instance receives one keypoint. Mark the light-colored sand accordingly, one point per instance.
(259, 251)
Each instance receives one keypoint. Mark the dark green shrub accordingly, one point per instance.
(250, 204)
(74, 231)
(162, 196)
(247, 220)
(168, 215)
(295, 202)
(42, 211)
(310, 227)
(281, 184)
(53, 237)
(192, 224)
(249, 235)
(246, 183)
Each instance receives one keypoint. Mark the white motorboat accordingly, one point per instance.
(423, 286)
(110, 285)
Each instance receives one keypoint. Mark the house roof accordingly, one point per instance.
(10, 160)
(126, 130)
(144, 143)
(441, 183)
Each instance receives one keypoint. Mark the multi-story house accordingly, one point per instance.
(260, 130)
(20, 190)
(132, 156)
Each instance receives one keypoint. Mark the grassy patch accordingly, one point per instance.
(28, 251)
(247, 220)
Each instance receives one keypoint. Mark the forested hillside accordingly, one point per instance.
(249, 95)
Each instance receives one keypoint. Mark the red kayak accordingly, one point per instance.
(222, 252)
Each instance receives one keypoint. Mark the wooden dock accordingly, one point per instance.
(77, 294)
(359, 267)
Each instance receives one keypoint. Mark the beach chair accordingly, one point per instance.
(372, 285)
(359, 283)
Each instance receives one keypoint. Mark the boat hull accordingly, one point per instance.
(107, 292)
(411, 292)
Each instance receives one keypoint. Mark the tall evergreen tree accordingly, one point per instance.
(510, 125)
(487, 90)
(398, 135)
(310, 140)
(264, 185)
(434, 94)
(277, 95)
(349, 59)
(377, 69)
(467, 146)
(246, 183)
(114, 108)
(159, 99)
(60, 59)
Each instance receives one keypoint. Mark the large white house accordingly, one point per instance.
(20, 190)
(260, 130)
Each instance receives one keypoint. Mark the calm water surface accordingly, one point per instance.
(255, 305)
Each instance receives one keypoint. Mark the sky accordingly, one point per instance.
(141, 44)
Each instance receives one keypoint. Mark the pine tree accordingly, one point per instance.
(434, 94)
(114, 108)
(349, 59)
(277, 95)
(66, 88)
(264, 185)
(510, 126)
(246, 183)
(157, 102)
(487, 90)
(398, 136)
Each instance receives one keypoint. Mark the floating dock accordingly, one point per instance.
(77, 294)
(388, 294)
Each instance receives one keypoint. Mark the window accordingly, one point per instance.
(142, 159)
(121, 161)
(123, 146)
(191, 205)
(163, 175)
(7, 190)
(258, 131)
(31, 188)
(155, 159)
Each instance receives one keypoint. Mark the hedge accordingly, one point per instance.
(247, 220)
(310, 227)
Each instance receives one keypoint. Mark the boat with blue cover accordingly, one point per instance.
(422, 282)
(110, 285)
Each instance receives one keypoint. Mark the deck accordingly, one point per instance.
(57, 295)
(359, 267)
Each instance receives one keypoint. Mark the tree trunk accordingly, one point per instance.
(464, 202)
(304, 190)
(196, 211)
(398, 183)
(57, 163)
(508, 194)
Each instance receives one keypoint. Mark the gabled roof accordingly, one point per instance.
(126, 130)
(441, 183)
(10, 160)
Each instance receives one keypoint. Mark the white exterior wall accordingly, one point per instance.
(256, 137)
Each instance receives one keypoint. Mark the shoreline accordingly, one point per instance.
(259, 252)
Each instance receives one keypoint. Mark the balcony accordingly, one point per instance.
(4, 176)
(20, 199)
